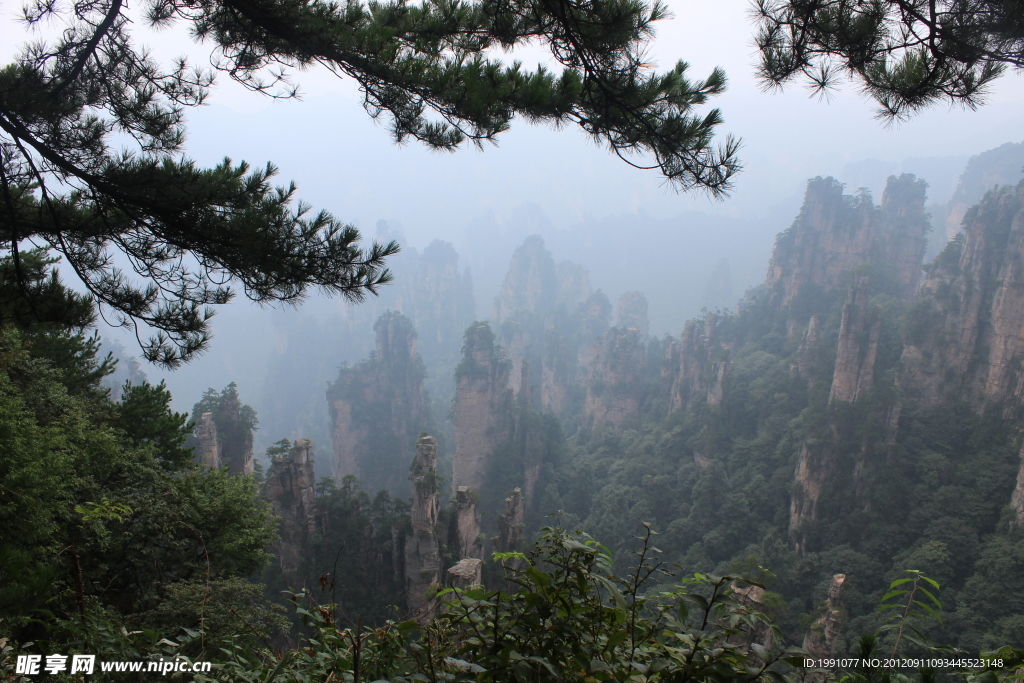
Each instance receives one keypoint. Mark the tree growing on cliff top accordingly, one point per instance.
(905, 54)
(188, 232)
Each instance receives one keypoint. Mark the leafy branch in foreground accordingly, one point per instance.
(569, 618)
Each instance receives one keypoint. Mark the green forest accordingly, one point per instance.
(527, 470)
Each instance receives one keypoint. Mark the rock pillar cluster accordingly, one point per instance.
(378, 408)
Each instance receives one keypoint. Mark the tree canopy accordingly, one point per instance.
(157, 239)
(906, 54)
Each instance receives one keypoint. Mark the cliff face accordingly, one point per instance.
(859, 334)
(631, 312)
(378, 407)
(290, 488)
(422, 554)
(823, 637)
(616, 379)
(537, 314)
(690, 363)
(836, 234)
(465, 532)
(206, 435)
(966, 331)
(482, 399)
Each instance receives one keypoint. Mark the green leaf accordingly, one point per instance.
(931, 597)
(615, 639)
(893, 594)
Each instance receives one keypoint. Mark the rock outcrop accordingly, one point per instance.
(835, 235)
(466, 574)
(536, 315)
(695, 364)
(422, 553)
(206, 435)
(823, 636)
(965, 334)
(631, 312)
(483, 400)
(1017, 499)
(616, 379)
(858, 346)
(378, 408)
(290, 488)
(814, 468)
(808, 356)
(511, 527)
(465, 532)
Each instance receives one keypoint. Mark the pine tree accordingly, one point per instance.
(906, 54)
(188, 232)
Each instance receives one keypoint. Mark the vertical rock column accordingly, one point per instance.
(855, 362)
(481, 393)
(422, 556)
(465, 532)
(290, 487)
(823, 635)
(206, 433)
(1017, 499)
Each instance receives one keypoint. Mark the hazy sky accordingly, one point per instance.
(344, 162)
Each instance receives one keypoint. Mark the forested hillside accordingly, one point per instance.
(855, 417)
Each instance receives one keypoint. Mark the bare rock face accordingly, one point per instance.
(855, 357)
(807, 356)
(536, 301)
(631, 312)
(531, 283)
(694, 364)
(720, 371)
(290, 488)
(482, 399)
(466, 524)
(966, 331)
(422, 554)
(466, 574)
(206, 434)
(823, 635)
(511, 527)
(613, 393)
(814, 469)
(835, 234)
(1017, 499)
(378, 407)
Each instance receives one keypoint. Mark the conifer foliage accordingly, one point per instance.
(906, 54)
(188, 232)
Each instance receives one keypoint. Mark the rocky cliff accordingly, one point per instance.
(965, 333)
(206, 435)
(542, 315)
(378, 408)
(857, 350)
(615, 386)
(290, 488)
(631, 312)
(422, 553)
(483, 400)
(836, 234)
